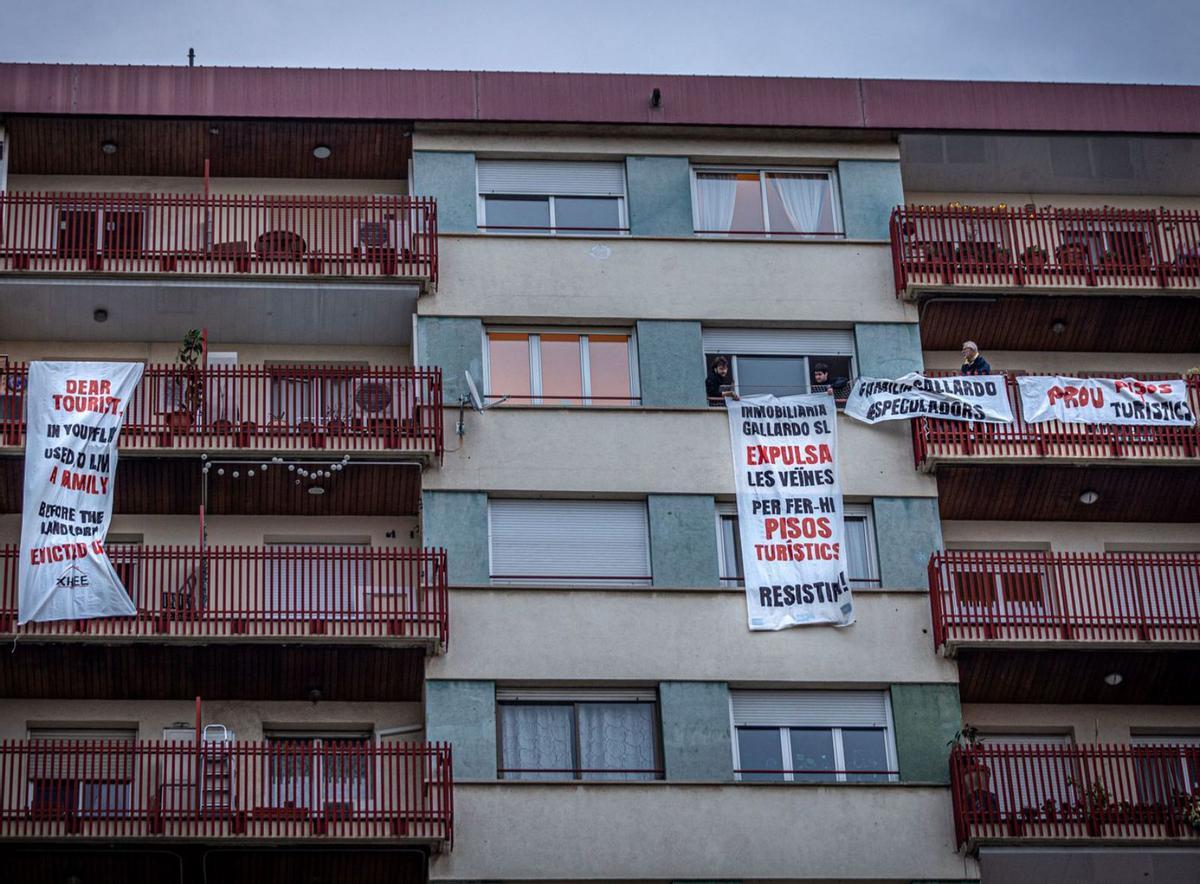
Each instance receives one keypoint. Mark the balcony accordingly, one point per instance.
(261, 408)
(226, 792)
(1045, 599)
(193, 234)
(1044, 250)
(1034, 794)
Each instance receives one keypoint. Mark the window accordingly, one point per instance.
(782, 362)
(125, 555)
(552, 367)
(765, 202)
(570, 198)
(813, 736)
(1020, 780)
(862, 564)
(1168, 765)
(579, 542)
(91, 780)
(552, 735)
(1014, 580)
(318, 770)
(316, 581)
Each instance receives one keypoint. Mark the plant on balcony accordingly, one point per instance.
(1137, 259)
(976, 775)
(187, 386)
(1191, 810)
(1073, 257)
(1034, 258)
(983, 254)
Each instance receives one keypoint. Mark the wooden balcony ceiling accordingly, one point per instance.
(240, 149)
(172, 485)
(1148, 677)
(186, 864)
(1110, 323)
(1037, 492)
(79, 671)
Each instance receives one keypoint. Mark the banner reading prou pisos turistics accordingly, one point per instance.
(789, 498)
(74, 412)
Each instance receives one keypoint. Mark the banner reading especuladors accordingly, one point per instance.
(789, 498)
(979, 398)
(74, 412)
(1121, 401)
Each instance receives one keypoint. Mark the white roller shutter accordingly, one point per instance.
(86, 763)
(76, 734)
(559, 178)
(779, 341)
(573, 539)
(810, 708)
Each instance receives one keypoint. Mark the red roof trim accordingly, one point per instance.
(595, 98)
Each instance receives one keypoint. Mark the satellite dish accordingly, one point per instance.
(476, 401)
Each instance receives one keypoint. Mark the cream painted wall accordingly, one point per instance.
(640, 451)
(1056, 200)
(245, 718)
(1066, 362)
(665, 831)
(646, 636)
(744, 281)
(1076, 536)
(1085, 723)
(248, 353)
(707, 149)
(254, 186)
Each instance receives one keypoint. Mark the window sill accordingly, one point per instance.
(693, 784)
(679, 590)
(690, 238)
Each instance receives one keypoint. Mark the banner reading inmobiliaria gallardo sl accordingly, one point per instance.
(789, 498)
(74, 412)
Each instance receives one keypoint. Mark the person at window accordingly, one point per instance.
(821, 383)
(973, 361)
(719, 383)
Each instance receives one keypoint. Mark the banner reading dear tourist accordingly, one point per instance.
(789, 498)
(74, 412)
(1126, 401)
(980, 398)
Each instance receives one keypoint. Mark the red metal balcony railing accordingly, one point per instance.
(1045, 248)
(284, 789)
(935, 439)
(1032, 792)
(190, 233)
(1031, 596)
(341, 408)
(273, 591)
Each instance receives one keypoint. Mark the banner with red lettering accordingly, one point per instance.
(74, 412)
(1123, 401)
(789, 498)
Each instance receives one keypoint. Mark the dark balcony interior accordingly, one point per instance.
(181, 863)
(173, 486)
(74, 670)
(1149, 676)
(179, 147)
(1046, 492)
(1076, 323)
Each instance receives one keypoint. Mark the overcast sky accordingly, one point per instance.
(1143, 41)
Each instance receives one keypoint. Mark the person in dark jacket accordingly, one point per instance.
(719, 376)
(822, 383)
(973, 361)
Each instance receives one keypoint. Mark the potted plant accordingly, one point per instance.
(1190, 809)
(1073, 257)
(1095, 803)
(1034, 258)
(976, 775)
(187, 390)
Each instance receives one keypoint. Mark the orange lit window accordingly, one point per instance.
(561, 368)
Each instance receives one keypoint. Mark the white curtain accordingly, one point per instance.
(617, 735)
(538, 737)
(858, 560)
(803, 198)
(325, 587)
(716, 194)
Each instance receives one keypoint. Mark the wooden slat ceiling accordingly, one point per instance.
(1108, 323)
(1149, 677)
(80, 671)
(240, 149)
(176, 863)
(172, 485)
(1051, 493)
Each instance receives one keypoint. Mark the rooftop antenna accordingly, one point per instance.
(472, 398)
(191, 57)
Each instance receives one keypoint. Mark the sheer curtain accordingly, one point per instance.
(716, 194)
(537, 737)
(803, 199)
(858, 559)
(617, 735)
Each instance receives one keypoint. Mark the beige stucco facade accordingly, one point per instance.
(1084, 723)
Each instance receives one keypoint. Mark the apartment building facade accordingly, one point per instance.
(306, 514)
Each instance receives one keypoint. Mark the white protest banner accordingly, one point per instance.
(789, 498)
(74, 412)
(1123, 401)
(980, 398)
